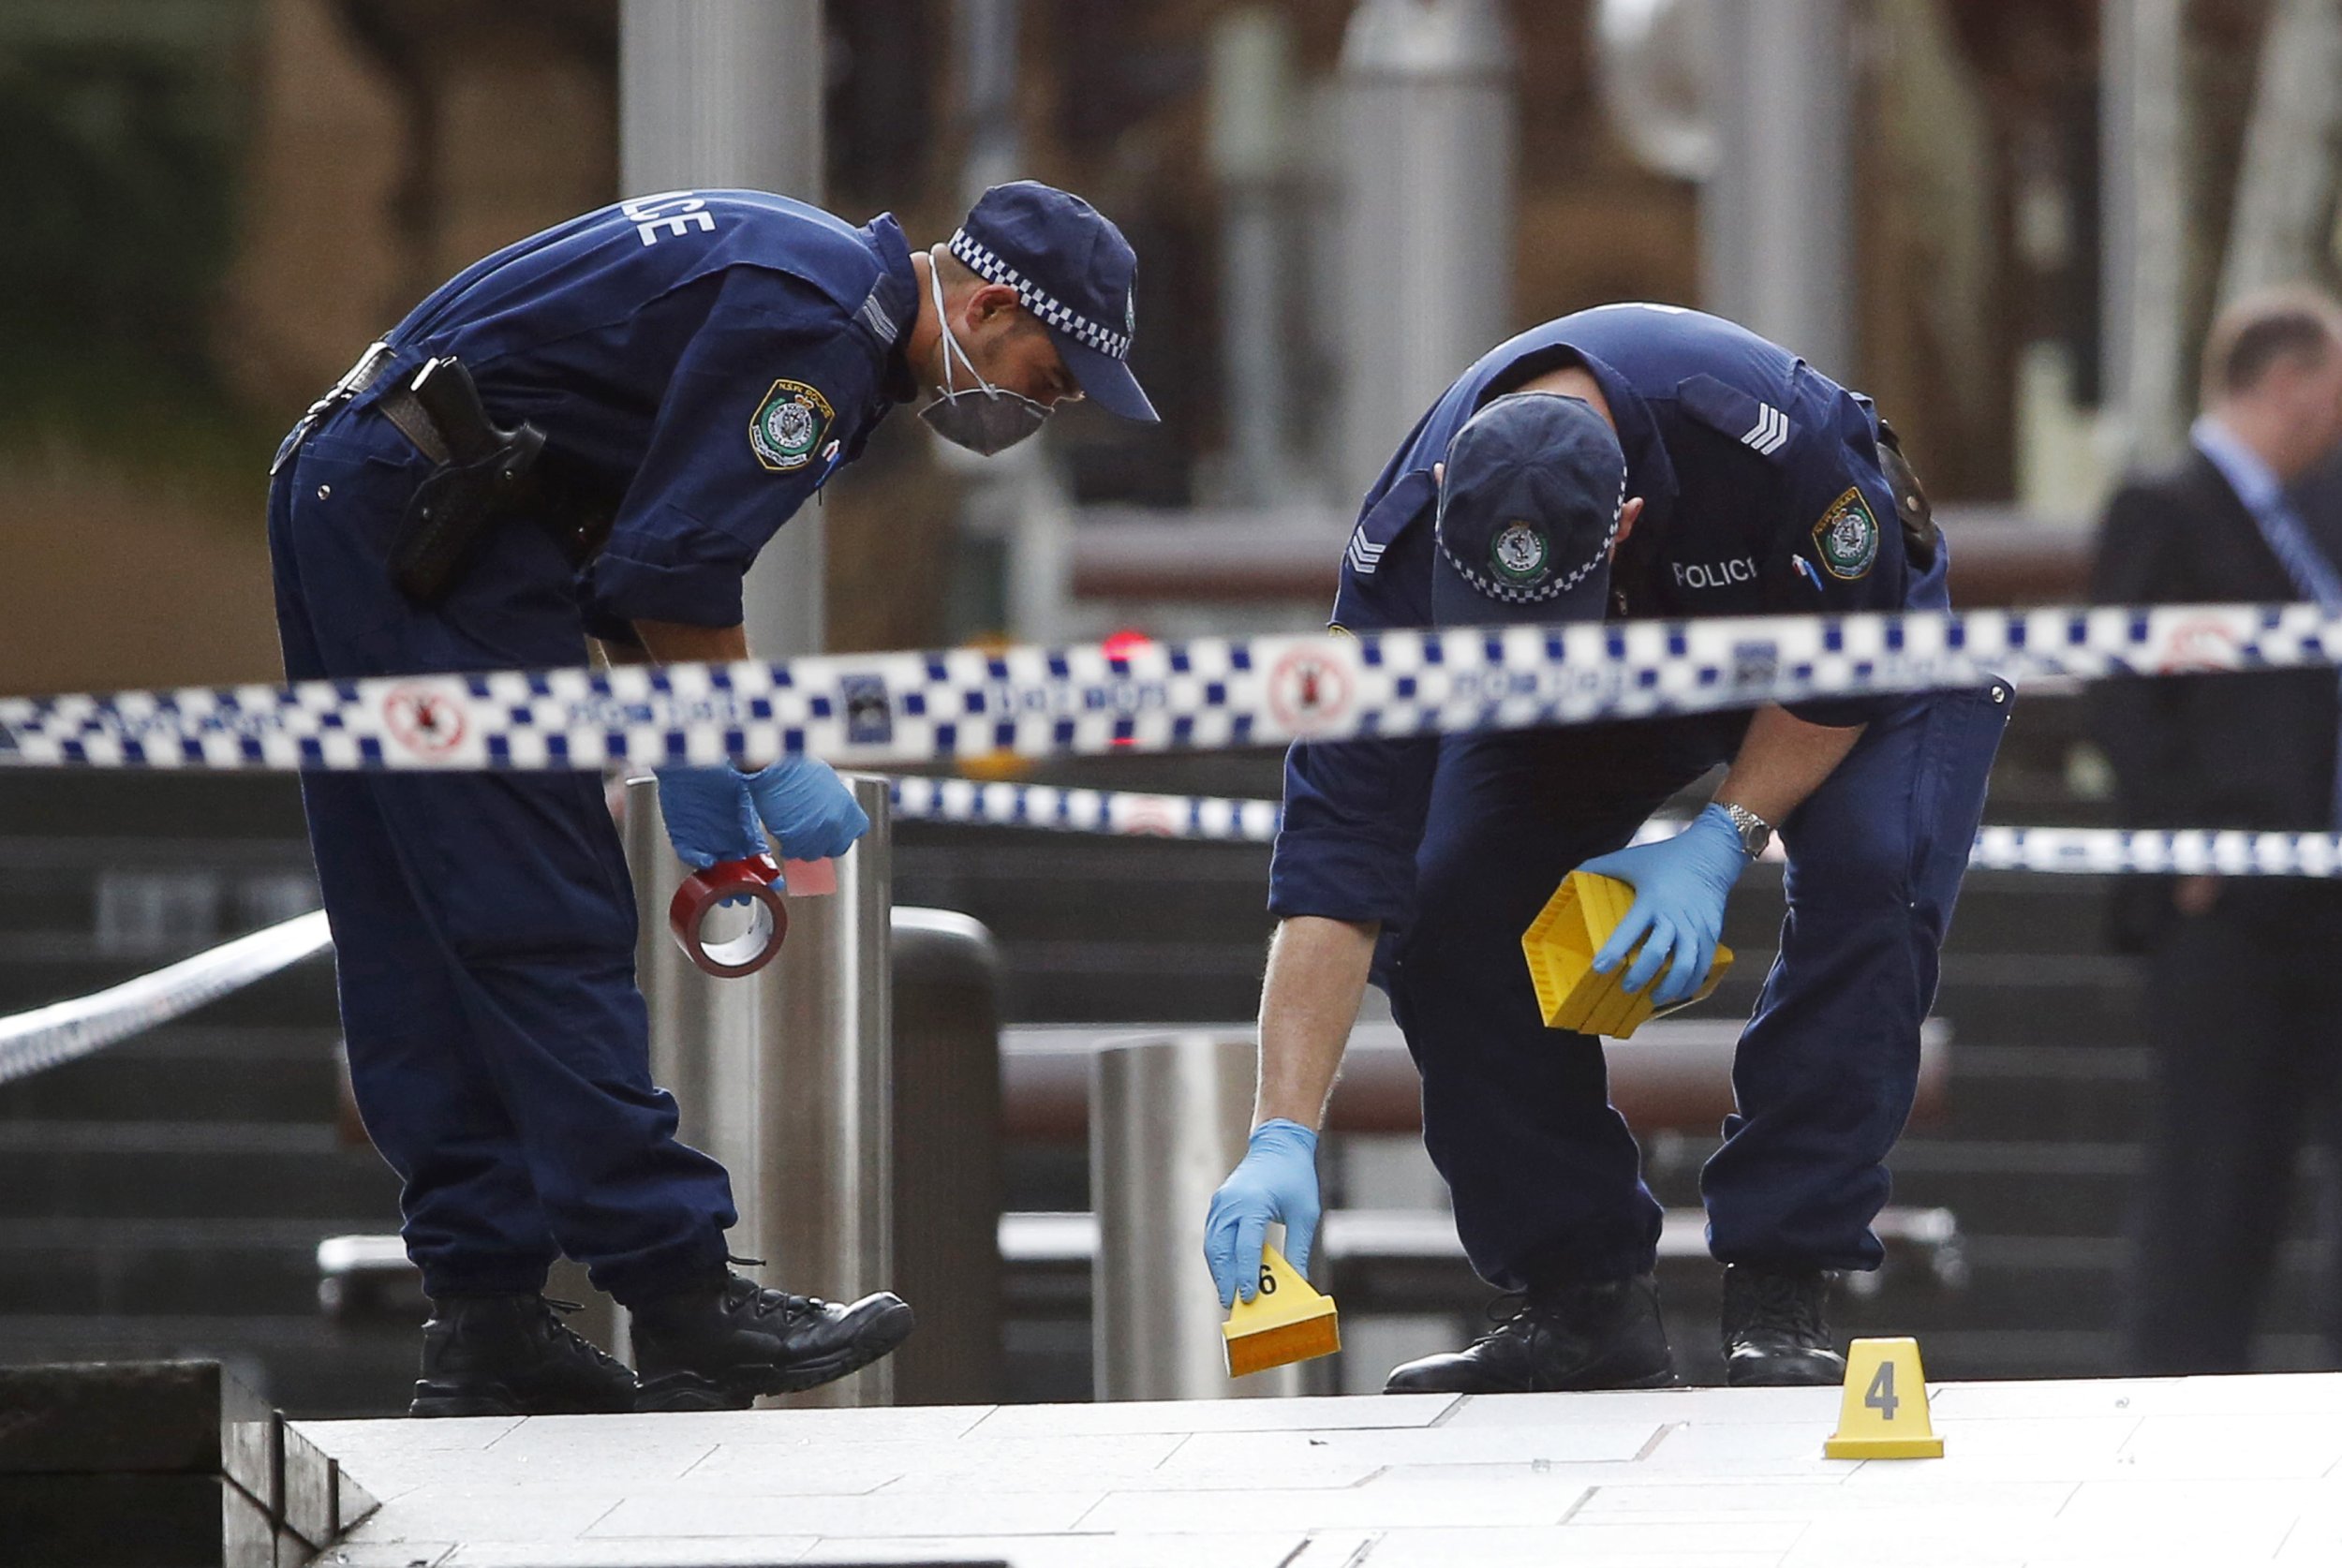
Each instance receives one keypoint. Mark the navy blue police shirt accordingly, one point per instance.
(700, 362)
(1761, 493)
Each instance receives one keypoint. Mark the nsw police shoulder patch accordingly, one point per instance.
(1846, 537)
(789, 426)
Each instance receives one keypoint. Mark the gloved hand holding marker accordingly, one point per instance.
(1274, 1182)
(1681, 885)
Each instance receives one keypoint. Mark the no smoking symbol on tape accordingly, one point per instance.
(426, 722)
(1308, 691)
(2197, 645)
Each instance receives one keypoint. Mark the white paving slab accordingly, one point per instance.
(1561, 1442)
(752, 1466)
(2037, 1475)
(748, 1551)
(1470, 1547)
(1218, 1416)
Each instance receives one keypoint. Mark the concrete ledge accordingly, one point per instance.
(160, 1465)
(2197, 1470)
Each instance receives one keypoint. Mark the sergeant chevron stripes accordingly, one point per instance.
(1364, 553)
(1770, 431)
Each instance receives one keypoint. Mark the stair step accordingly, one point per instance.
(2080, 1282)
(302, 996)
(191, 1170)
(129, 1267)
(151, 803)
(311, 1368)
(2098, 1093)
(190, 1073)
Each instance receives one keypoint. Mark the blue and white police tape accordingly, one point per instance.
(64, 1031)
(2073, 850)
(2186, 852)
(1122, 812)
(1213, 693)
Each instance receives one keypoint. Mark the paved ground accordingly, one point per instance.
(2198, 1472)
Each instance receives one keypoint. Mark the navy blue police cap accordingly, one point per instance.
(1528, 509)
(1072, 267)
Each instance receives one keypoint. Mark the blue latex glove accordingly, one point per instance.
(709, 815)
(1679, 887)
(808, 808)
(1276, 1180)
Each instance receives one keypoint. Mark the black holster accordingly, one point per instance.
(1921, 539)
(486, 475)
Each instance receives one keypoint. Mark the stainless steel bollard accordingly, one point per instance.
(703, 1031)
(947, 1157)
(783, 1075)
(823, 1177)
(1168, 1119)
(1431, 102)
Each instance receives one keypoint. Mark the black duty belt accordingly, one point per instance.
(480, 474)
(371, 367)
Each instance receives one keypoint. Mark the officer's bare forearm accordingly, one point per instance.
(1782, 760)
(1317, 979)
(677, 643)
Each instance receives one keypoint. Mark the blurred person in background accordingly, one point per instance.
(1630, 462)
(2243, 997)
(592, 433)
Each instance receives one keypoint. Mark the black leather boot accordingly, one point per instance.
(1776, 1332)
(1570, 1338)
(718, 1346)
(513, 1355)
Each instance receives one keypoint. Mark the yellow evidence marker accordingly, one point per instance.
(1560, 945)
(1284, 1323)
(1884, 1415)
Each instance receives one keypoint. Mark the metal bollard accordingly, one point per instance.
(1430, 101)
(1168, 1118)
(825, 1114)
(947, 1157)
(783, 1076)
(703, 1031)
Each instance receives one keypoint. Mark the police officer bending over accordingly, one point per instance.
(593, 432)
(1644, 462)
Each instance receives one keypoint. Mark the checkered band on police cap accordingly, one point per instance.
(981, 260)
(1552, 587)
(1541, 465)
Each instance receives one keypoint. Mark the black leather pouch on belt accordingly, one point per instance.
(484, 475)
(1920, 537)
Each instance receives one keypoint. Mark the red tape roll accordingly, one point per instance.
(768, 923)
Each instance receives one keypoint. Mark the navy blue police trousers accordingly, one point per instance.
(1545, 1176)
(483, 923)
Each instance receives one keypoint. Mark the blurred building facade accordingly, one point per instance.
(231, 197)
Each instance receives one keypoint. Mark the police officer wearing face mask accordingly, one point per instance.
(592, 433)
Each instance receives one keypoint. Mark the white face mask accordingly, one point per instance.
(983, 418)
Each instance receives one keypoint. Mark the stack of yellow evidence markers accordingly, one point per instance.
(1284, 1321)
(1560, 945)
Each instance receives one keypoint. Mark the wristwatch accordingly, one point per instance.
(1756, 833)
